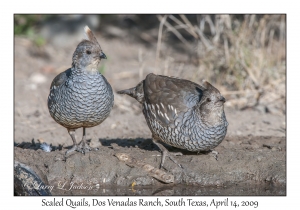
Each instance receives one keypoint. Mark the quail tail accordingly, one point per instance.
(135, 92)
(131, 92)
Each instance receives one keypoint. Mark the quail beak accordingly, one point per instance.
(222, 99)
(103, 56)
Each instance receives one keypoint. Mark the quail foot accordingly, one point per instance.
(81, 97)
(181, 113)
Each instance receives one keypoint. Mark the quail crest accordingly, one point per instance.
(81, 97)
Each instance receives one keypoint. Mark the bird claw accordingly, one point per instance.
(82, 147)
(74, 148)
(86, 148)
(166, 153)
(215, 154)
(170, 155)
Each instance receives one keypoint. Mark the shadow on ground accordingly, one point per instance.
(246, 165)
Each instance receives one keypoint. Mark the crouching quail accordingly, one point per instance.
(81, 96)
(181, 113)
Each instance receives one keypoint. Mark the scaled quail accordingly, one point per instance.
(81, 96)
(181, 113)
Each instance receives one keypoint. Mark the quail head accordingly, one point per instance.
(81, 97)
(181, 113)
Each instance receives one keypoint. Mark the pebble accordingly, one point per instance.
(259, 159)
(38, 78)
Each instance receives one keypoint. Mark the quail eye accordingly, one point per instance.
(208, 100)
(88, 52)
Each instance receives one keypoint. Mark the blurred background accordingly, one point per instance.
(244, 56)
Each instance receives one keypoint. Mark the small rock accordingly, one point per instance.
(115, 146)
(95, 144)
(238, 133)
(113, 126)
(276, 149)
(37, 113)
(70, 163)
(38, 78)
(255, 146)
(59, 157)
(268, 179)
(231, 143)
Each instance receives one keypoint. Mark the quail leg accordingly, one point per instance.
(165, 153)
(75, 147)
(83, 147)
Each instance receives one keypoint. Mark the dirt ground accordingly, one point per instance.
(253, 152)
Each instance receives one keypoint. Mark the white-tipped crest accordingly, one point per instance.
(90, 36)
(86, 30)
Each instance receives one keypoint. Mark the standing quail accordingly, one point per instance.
(81, 96)
(181, 113)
